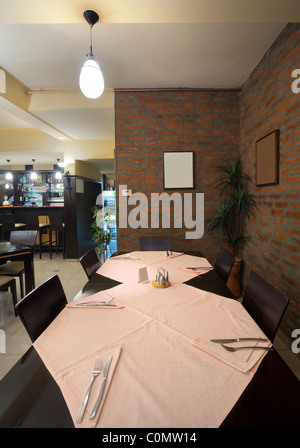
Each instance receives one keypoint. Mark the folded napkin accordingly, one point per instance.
(124, 257)
(199, 271)
(173, 255)
(242, 360)
(75, 382)
(94, 300)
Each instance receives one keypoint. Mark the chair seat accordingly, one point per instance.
(12, 268)
(18, 225)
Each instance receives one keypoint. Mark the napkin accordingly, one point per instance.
(242, 360)
(75, 382)
(98, 297)
(124, 257)
(199, 271)
(174, 254)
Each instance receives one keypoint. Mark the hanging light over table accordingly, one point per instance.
(91, 80)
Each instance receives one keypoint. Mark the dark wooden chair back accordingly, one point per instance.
(41, 306)
(156, 243)
(224, 263)
(265, 304)
(90, 262)
(26, 237)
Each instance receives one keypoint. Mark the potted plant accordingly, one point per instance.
(100, 229)
(236, 207)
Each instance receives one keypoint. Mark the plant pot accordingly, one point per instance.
(233, 282)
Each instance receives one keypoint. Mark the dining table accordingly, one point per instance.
(19, 252)
(160, 366)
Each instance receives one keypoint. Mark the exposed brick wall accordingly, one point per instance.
(268, 103)
(217, 125)
(151, 122)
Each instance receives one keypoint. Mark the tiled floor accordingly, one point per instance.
(73, 278)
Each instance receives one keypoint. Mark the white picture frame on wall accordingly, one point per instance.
(178, 169)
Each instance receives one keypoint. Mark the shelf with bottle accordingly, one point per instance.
(46, 188)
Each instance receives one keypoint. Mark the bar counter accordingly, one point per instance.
(19, 211)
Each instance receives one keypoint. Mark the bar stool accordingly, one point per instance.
(32, 223)
(57, 226)
(8, 224)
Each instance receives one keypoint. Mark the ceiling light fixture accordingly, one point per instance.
(33, 175)
(8, 175)
(91, 80)
(58, 174)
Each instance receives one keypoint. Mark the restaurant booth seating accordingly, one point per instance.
(265, 304)
(41, 306)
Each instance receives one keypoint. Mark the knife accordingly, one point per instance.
(199, 267)
(98, 401)
(94, 304)
(220, 341)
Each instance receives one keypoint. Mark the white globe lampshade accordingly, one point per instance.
(91, 80)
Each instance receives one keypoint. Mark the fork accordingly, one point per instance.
(96, 303)
(96, 371)
(199, 267)
(255, 347)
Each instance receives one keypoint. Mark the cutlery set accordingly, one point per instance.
(234, 349)
(96, 303)
(97, 370)
(199, 267)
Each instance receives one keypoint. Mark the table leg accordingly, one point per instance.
(28, 273)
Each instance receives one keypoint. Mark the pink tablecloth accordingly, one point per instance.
(125, 268)
(160, 379)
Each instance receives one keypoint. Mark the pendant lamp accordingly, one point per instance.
(91, 80)
(8, 175)
(33, 175)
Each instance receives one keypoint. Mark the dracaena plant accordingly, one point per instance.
(100, 232)
(236, 207)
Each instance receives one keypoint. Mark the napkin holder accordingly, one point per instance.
(143, 275)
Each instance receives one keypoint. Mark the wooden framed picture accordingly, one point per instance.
(178, 169)
(267, 159)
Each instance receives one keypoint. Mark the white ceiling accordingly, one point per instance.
(139, 43)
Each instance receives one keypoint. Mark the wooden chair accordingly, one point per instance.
(8, 224)
(9, 282)
(41, 306)
(32, 223)
(16, 268)
(58, 227)
(265, 304)
(156, 243)
(90, 262)
(224, 263)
